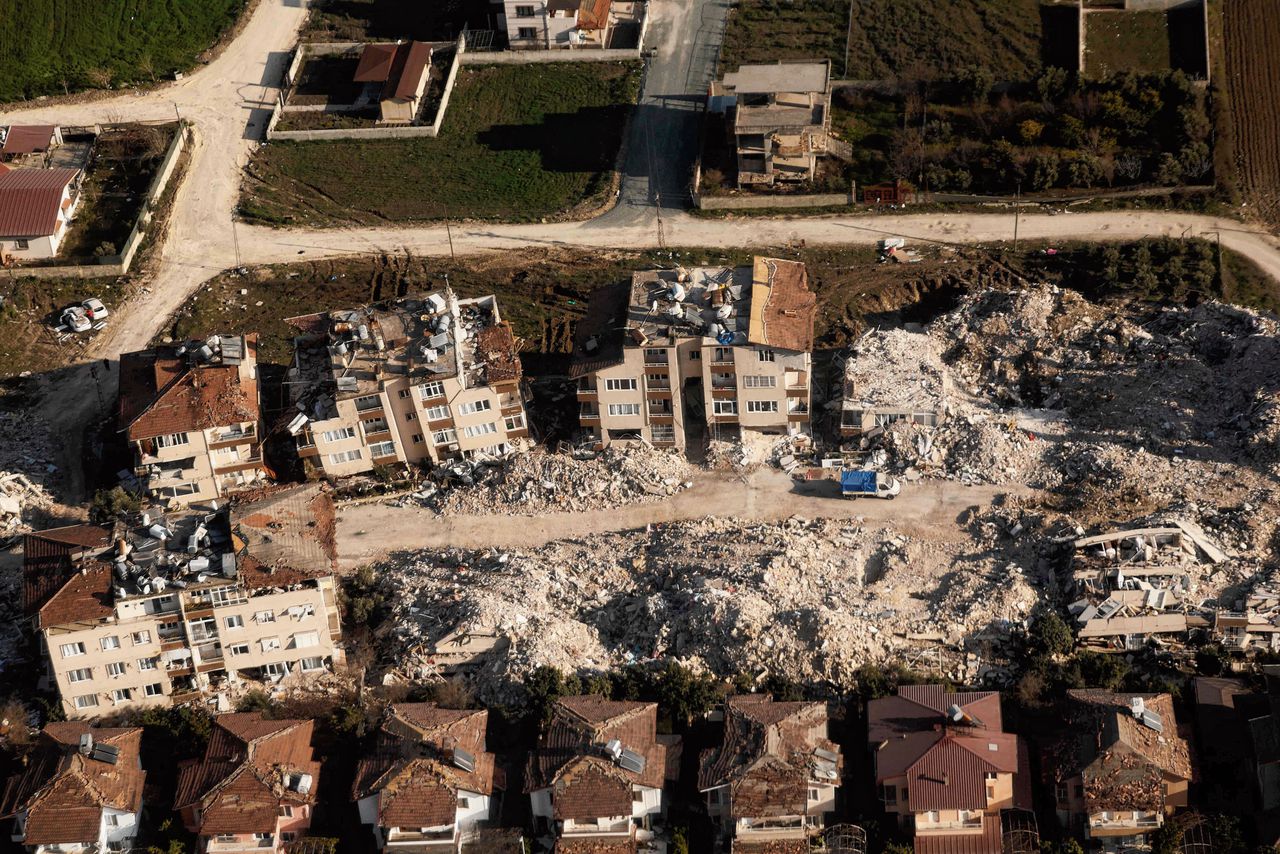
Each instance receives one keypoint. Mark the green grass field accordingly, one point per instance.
(1126, 41)
(889, 38)
(518, 143)
(49, 47)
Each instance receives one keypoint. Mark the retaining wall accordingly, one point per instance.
(742, 203)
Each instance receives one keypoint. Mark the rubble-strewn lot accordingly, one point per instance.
(27, 474)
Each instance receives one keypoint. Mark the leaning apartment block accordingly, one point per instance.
(420, 379)
(679, 356)
(185, 606)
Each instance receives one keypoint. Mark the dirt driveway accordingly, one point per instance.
(367, 532)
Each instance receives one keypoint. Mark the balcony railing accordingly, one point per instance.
(656, 358)
(235, 434)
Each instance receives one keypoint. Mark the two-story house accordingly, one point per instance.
(185, 606)
(79, 791)
(773, 778)
(682, 355)
(781, 119)
(36, 207)
(1121, 768)
(549, 24)
(420, 379)
(430, 781)
(596, 779)
(190, 413)
(944, 766)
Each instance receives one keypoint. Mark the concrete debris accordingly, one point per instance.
(537, 482)
(27, 475)
(810, 600)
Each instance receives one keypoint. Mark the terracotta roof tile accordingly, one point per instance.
(497, 347)
(593, 14)
(48, 559)
(579, 724)
(30, 200)
(604, 323)
(951, 773)
(918, 708)
(161, 393)
(782, 306)
(595, 845)
(375, 63)
(989, 841)
(86, 597)
(28, 139)
(591, 787)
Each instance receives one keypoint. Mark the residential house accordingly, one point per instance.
(79, 790)
(773, 778)
(430, 782)
(945, 767)
(36, 207)
(187, 606)
(17, 142)
(596, 779)
(781, 119)
(543, 24)
(398, 73)
(678, 354)
(255, 789)
(416, 380)
(1121, 768)
(190, 413)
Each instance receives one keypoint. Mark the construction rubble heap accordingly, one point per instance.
(808, 600)
(28, 475)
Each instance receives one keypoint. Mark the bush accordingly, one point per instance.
(1049, 635)
(108, 505)
(256, 700)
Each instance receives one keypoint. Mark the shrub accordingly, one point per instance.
(111, 504)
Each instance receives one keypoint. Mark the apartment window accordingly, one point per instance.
(368, 402)
(382, 449)
(86, 701)
(762, 406)
(416, 438)
(305, 639)
(813, 794)
(724, 407)
(71, 650)
(345, 457)
(238, 649)
(624, 409)
(483, 405)
(756, 381)
(513, 422)
(931, 816)
(224, 837)
(264, 837)
(403, 393)
(312, 663)
(524, 11)
(111, 642)
(115, 669)
(140, 638)
(269, 644)
(148, 663)
(155, 606)
(628, 384)
(172, 440)
(121, 695)
(637, 796)
(203, 629)
(722, 380)
(264, 617)
(990, 776)
(889, 794)
(438, 412)
(526, 33)
(695, 355)
(764, 355)
(663, 432)
(444, 437)
(81, 674)
(179, 490)
(339, 434)
(411, 416)
(286, 811)
(722, 354)
(275, 670)
(479, 430)
(235, 621)
(21, 243)
(112, 820)
(288, 836)
(435, 388)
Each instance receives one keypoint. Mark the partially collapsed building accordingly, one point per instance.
(771, 781)
(945, 767)
(430, 781)
(180, 607)
(596, 778)
(679, 355)
(889, 376)
(417, 380)
(190, 413)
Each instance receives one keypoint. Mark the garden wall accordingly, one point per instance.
(741, 203)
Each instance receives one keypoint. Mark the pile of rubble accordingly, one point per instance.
(809, 600)
(27, 475)
(540, 482)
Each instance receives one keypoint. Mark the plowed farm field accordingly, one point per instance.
(1251, 37)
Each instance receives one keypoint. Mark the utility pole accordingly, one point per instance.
(1017, 207)
(448, 230)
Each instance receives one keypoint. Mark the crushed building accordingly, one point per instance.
(422, 379)
(889, 376)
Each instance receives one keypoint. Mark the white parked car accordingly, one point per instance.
(77, 319)
(95, 309)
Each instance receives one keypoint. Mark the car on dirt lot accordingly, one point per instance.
(77, 319)
(95, 309)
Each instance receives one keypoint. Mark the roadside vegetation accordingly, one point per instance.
(59, 48)
(519, 143)
(358, 20)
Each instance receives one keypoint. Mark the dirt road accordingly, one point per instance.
(369, 531)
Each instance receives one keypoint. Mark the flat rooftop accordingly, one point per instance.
(707, 302)
(781, 77)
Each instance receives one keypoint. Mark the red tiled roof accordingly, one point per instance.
(417, 58)
(160, 393)
(951, 773)
(375, 63)
(86, 597)
(579, 724)
(987, 842)
(399, 66)
(30, 200)
(782, 306)
(593, 14)
(590, 787)
(595, 845)
(917, 708)
(47, 559)
(28, 139)
(497, 347)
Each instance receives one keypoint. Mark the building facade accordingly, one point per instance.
(781, 120)
(36, 207)
(190, 412)
(419, 380)
(544, 24)
(773, 778)
(683, 355)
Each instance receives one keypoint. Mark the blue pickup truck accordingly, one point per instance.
(857, 483)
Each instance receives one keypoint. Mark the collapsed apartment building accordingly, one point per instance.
(1121, 767)
(430, 781)
(190, 413)
(680, 355)
(185, 606)
(945, 767)
(1139, 586)
(595, 781)
(890, 376)
(420, 379)
(772, 780)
